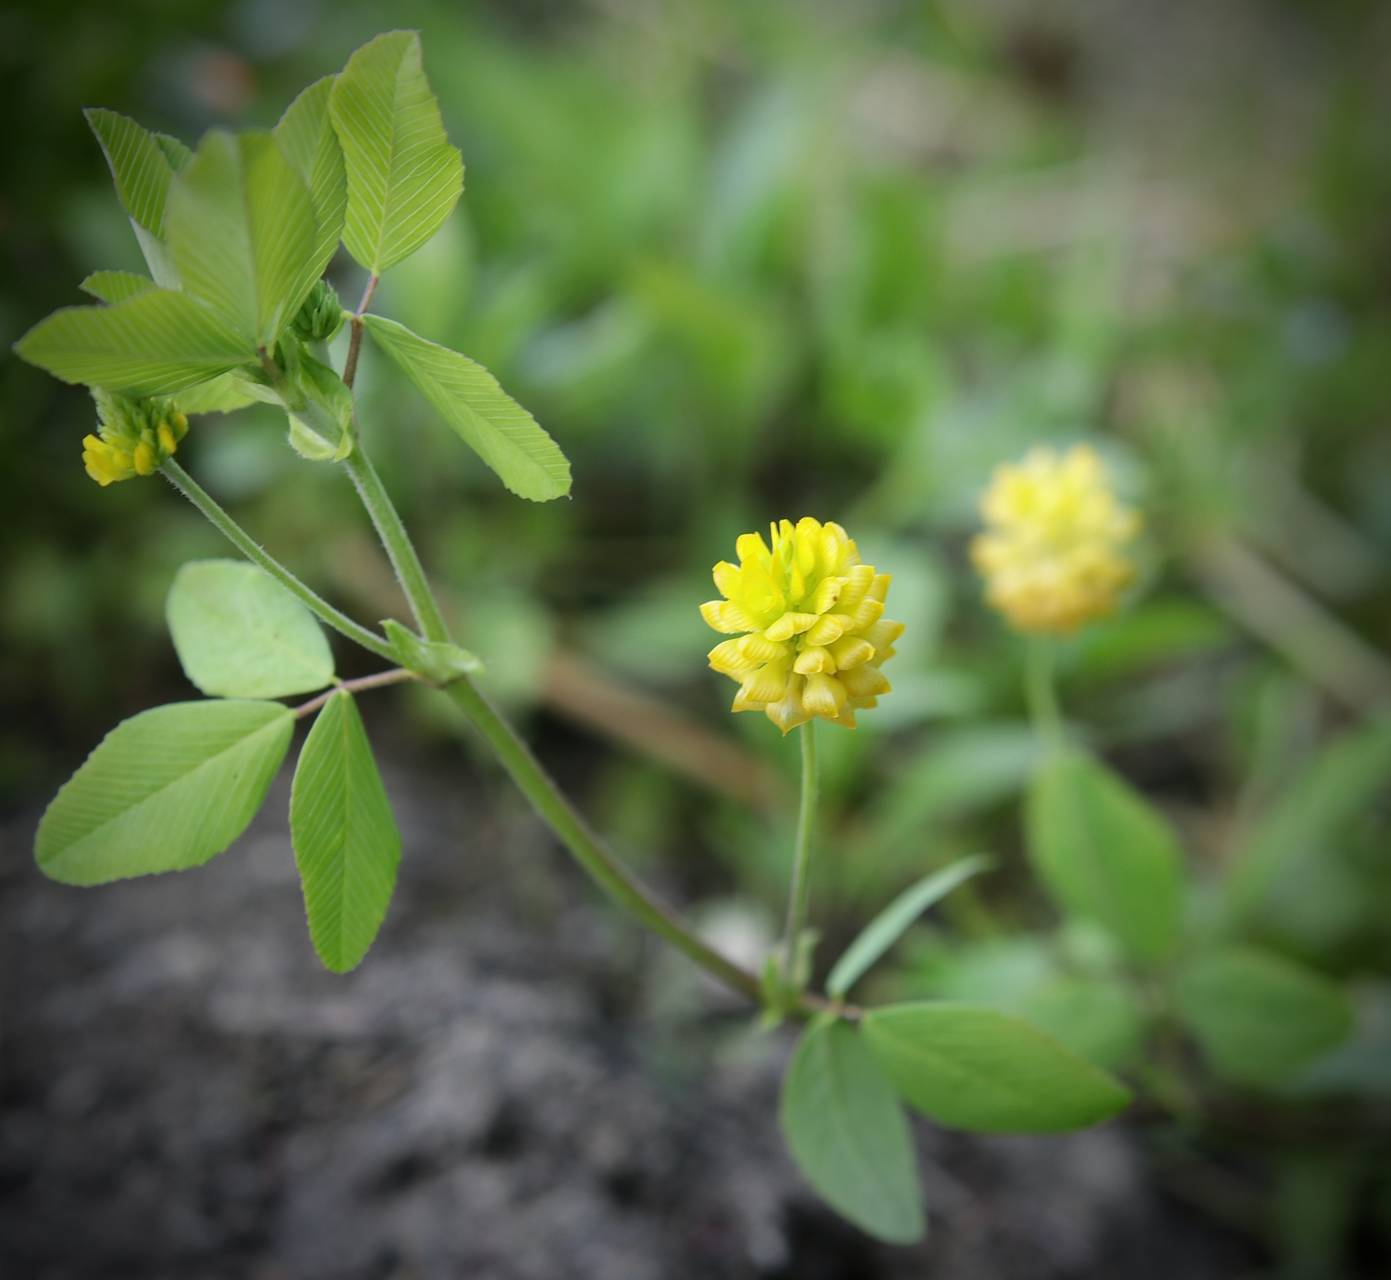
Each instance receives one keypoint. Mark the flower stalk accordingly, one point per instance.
(799, 894)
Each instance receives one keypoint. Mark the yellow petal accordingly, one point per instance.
(824, 696)
(851, 651)
(788, 712)
(829, 627)
(813, 660)
(727, 579)
(726, 617)
(758, 648)
(729, 659)
(883, 633)
(789, 625)
(858, 580)
(767, 684)
(752, 550)
(866, 613)
(864, 682)
(827, 592)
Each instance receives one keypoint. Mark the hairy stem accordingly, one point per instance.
(254, 552)
(399, 549)
(799, 894)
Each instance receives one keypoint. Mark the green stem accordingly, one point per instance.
(1042, 693)
(399, 549)
(254, 552)
(799, 894)
(588, 850)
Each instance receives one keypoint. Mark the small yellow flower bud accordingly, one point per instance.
(144, 459)
(135, 437)
(1051, 554)
(806, 615)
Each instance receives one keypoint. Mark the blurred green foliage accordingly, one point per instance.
(754, 261)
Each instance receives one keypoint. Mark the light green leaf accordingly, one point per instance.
(848, 1133)
(1104, 854)
(486, 418)
(305, 134)
(139, 164)
(346, 843)
(175, 151)
(1258, 1016)
(240, 229)
(240, 634)
(976, 1068)
(164, 790)
(116, 286)
(435, 660)
(1096, 1018)
(404, 178)
(153, 344)
(888, 926)
(223, 394)
(1338, 784)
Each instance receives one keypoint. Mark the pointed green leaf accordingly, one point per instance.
(175, 151)
(1258, 1016)
(848, 1133)
(434, 659)
(240, 230)
(404, 178)
(116, 286)
(346, 843)
(973, 1067)
(305, 134)
(153, 344)
(164, 790)
(1105, 854)
(486, 418)
(888, 926)
(240, 634)
(139, 164)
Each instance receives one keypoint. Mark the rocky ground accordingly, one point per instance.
(513, 1086)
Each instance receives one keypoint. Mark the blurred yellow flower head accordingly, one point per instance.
(135, 436)
(1052, 553)
(809, 625)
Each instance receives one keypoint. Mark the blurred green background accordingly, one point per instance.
(749, 261)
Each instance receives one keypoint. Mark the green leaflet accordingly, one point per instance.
(972, 1067)
(1105, 854)
(241, 229)
(485, 417)
(164, 790)
(1258, 1016)
(848, 1134)
(139, 164)
(240, 634)
(153, 344)
(116, 286)
(404, 178)
(346, 843)
(305, 134)
(888, 926)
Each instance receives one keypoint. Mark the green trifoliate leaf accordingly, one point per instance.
(486, 418)
(240, 634)
(153, 344)
(1105, 854)
(240, 230)
(848, 1134)
(165, 790)
(972, 1067)
(305, 134)
(1259, 1017)
(346, 843)
(404, 178)
(887, 927)
(116, 286)
(438, 661)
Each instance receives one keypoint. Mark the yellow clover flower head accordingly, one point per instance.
(1052, 553)
(807, 617)
(134, 437)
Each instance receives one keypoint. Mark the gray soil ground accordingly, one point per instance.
(514, 1085)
